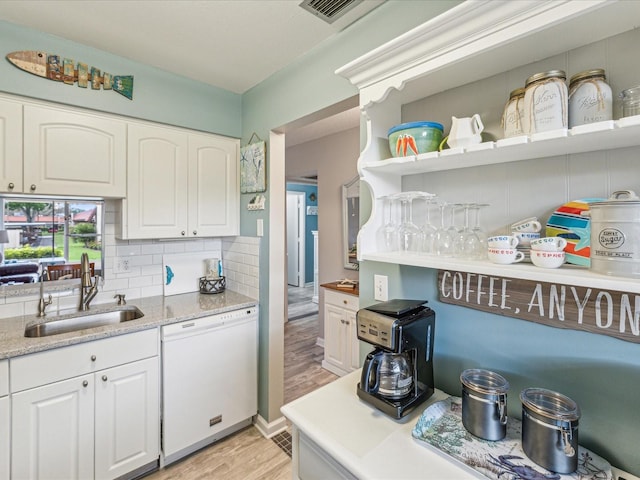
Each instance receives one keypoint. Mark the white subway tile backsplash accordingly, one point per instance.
(145, 277)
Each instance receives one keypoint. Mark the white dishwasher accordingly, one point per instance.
(209, 379)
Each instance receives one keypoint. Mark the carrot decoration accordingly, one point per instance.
(411, 142)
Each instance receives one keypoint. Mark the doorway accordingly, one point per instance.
(296, 229)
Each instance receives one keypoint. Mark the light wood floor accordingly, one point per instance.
(247, 455)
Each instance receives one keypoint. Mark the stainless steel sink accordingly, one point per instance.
(82, 321)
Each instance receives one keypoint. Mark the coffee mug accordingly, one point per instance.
(530, 224)
(543, 259)
(502, 241)
(525, 238)
(504, 256)
(549, 244)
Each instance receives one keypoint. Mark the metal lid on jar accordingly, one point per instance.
(550, 404)
(484, 381)
(617, 198)
(518, 92)
(545, 76)
(596, 72)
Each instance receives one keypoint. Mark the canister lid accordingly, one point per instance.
(596, 72)
(545, 75)
(484, 381)
(618, 198)
(550, 404)
(518, 92)
(406, 126)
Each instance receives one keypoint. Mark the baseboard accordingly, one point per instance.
(320, 342)
(268, 430)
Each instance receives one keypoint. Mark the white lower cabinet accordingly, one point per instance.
(5, 420)
(316, 464)
(341, 345)
(103, 424)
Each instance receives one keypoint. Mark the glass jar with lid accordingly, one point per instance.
(513, 114)
(545, 102)
(631, 101)
(590, 98)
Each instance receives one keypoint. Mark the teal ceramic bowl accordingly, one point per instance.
(415, 137)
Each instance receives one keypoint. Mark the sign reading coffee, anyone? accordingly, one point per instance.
(594, 310)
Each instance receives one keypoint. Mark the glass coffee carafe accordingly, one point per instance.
(394, 375)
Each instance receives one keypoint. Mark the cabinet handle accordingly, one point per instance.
(183, 233)
(104, 378)
(344, 301)
(93, 358)
(347, 322)
(33, 187)
(11, 186)
(85, 383)
(195, 232)
(342, 321)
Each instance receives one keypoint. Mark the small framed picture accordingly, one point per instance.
(253, 168)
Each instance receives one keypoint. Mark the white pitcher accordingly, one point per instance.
(465, 131)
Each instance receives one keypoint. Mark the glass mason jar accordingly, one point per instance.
(545, 102)
(631, 101)
(513, 114)
(590, 98)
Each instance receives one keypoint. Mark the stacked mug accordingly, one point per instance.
(526, 231)
(502, 249)
(548, 252)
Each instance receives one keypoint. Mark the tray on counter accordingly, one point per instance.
(440, 427)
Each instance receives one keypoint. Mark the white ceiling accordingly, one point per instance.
(231, 44)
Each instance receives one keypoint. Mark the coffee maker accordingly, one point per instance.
(397, 375)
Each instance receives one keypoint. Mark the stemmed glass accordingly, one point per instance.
(408, 232)
(467, 244)
(387, 234)
(444, 237)
(479, 231)
(428, 229)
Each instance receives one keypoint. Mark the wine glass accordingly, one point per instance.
(387, 234)
(444, 237)
(408, 232)
(479, 231)
(467, 243)
(428, 229)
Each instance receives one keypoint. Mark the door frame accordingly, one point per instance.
(301, 225)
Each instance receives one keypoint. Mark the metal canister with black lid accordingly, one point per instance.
(484, 403)
(550, 429)
(590, 98)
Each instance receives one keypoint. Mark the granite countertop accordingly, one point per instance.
(157, 311)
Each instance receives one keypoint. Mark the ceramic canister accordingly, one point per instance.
(590, 98)
(545, 102)
(484, 403)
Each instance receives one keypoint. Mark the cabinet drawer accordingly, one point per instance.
(342, 300)
(4, 377)
(61, 363)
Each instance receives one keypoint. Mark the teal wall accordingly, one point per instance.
(305, 87)
(311, 224)
(157, 95)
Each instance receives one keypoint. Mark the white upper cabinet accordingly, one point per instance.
(10, 146)
(213, 186)
(180, 184)
(156, 204)
(72, 153)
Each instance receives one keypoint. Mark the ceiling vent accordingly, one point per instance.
(347, 11)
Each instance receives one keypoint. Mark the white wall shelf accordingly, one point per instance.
(565, 275)
(586, 138)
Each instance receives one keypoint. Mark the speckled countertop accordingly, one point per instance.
(157, 311)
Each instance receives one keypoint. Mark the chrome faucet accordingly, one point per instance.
(43, 304)
(88, 288)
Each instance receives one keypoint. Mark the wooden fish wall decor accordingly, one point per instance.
(51, 66)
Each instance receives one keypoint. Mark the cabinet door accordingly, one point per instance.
(213, 186)
(10, 147)
(52, 431)
(127, 420)
(5, 423)
(335, 339)
(69, 153)
(156, 205)
(352, 340)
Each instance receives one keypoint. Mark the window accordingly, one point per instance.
(53, 231)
